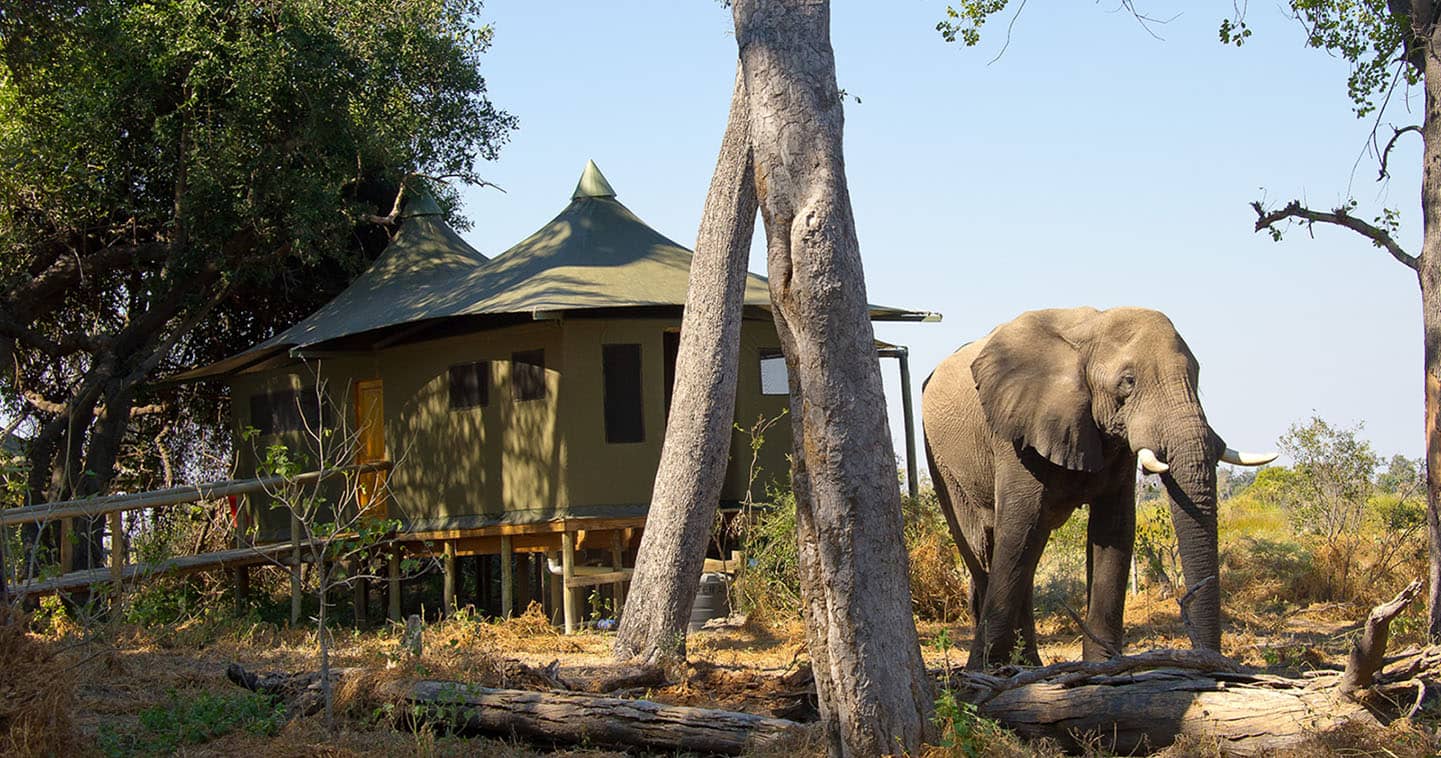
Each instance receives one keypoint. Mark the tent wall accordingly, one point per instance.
(513, 460)
(459, 468)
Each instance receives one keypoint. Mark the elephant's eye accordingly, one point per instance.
(1128, 384)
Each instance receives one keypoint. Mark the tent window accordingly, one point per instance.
(527, 374)
(624, 414)
(775, 380)
(470, 385)
(289, 411)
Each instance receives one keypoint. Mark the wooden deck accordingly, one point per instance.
(561, 541)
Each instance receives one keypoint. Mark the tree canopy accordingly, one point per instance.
(183, 176)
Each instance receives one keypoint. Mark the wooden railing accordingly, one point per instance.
(114, 505)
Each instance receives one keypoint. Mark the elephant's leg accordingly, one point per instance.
(1111, 534)
(1019, 538)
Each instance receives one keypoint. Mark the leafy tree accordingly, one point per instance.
(1327, 488)
(1402, 477)
(183, 176)
(1389, 44)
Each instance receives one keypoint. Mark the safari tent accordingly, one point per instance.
(522, 400)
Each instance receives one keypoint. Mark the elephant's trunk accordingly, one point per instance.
(1191, 485)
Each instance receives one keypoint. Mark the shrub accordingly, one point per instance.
(938, 584)
(770, 581)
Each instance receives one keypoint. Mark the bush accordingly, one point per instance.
(770, 581)
(938, 583)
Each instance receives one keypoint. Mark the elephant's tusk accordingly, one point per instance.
(1238, 458)
(1150, 463)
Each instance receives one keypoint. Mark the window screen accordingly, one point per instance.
(775, 380)
(624, 415)
(527, 374)
(289, 411)
(470, 385)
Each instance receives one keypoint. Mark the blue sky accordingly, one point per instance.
(1092, 164)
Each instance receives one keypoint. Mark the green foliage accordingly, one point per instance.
(771, 579)
(1330, 481)
(965, 22)
(194, 719)
(1156, 544)
(1364, 33)
(190, 175)
(963, 731)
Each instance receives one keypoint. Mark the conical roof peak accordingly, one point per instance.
(592, 183)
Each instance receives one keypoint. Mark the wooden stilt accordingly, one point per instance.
(913, 481)
(483, 599)
(448, 597)
(360, 599)
(117, 550)
(555, 594)
(392, 599)
(617, 562)
(242, 590)
(567, 567)
(507, 577)
(294, 569)
(67, 545)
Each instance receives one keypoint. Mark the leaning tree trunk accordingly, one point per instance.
(875, 697)
(697, 439)
(1428, 271)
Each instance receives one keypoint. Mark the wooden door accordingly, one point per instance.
(370, 445)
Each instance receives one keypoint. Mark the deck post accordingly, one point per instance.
(448, 597)
(117, 550)
(567, 567)
(360, 594)
(507, 577)
(392, 598)
(552, 585)
(295, 569)
(242, 589)
(908, 412)
(617, 561)
(67, 545)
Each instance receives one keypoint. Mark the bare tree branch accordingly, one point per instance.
(1110, 650)
(1369, 652)
(1340, 217)
(1386, 152)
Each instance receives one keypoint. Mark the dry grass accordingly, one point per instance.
(36, 700)
(1272, 623)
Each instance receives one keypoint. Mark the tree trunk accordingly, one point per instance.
(697, 439)
(874, 696)
(1429, 277)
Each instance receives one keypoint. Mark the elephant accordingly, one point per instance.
(1052, 411)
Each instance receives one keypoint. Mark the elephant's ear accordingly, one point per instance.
(1033, 390)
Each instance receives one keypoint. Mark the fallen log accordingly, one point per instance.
(1138, 703)
(550, 717)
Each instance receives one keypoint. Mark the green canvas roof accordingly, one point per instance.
(596, 254)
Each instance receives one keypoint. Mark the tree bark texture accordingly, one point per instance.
(1136, 713)
(874, 696)
(1428, 272)
(697, 438)
(551, 717)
